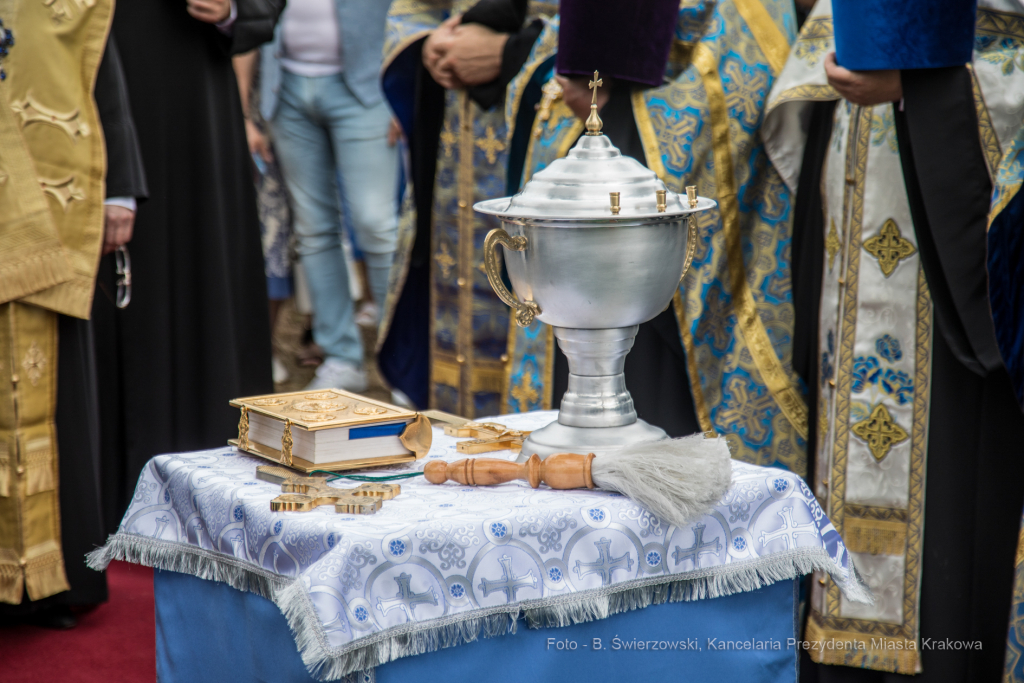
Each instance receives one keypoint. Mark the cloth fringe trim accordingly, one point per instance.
(187, 559)
(12, 584)
(329, 663)
(45, 576)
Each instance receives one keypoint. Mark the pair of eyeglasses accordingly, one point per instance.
(123, 263)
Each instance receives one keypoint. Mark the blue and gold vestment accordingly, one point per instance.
(734, 306)
(468, 323)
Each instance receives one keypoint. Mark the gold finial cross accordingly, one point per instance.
(594, 123)
(594, 85)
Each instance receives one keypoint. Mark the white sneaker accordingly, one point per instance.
(279, 371)
(338, 374)
(368, 315)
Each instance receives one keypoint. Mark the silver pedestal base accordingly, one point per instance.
(560, 438)
(597, 414)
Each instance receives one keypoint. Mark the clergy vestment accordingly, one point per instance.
(732, 315)
(196, 333)
(52, 168)
(441, 316)
(916, 443)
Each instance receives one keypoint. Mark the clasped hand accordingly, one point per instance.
(864, 88)
(463, 55)
(209, 11)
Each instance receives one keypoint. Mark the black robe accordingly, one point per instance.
(197, 331)
(975, 473)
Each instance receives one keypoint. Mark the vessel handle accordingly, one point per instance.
(691, 243)
(526, 311)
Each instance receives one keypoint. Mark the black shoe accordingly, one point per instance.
(58, 618)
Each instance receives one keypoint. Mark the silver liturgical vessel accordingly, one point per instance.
(594, 245)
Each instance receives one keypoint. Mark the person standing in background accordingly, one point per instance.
(271, 197)
(196, 334)
(322, 97)
(899, 129)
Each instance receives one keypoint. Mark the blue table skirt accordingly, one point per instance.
(207, 631)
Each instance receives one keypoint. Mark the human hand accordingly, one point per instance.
(474, 56)
(210, 11)
(118, 223)
(394, 132)
(258, 143)
(436, 47)
(577, 95)
(866, 88)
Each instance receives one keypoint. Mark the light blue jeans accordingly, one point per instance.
(319, 128)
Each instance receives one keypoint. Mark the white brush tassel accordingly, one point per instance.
(678, 480)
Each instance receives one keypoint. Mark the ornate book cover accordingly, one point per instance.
(305, 413)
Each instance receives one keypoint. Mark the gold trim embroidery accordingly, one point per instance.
(889, 247)
(749, 323)
(986, 131)
(832, 244)
(875, 537)
(401, 46)
(648, 138)
(64, 191)
(699, 402)
(524, 392)
(444, 259)
(546, 46)
(467, 186)
(769, 37)
(63, 10)
(30, 111)
(803, 93)
(491, 145)
(813, 40)
(34, 363)
(880, 431)
(1000, 24)
(873, 512)
(858, 139)
(829, 624)
(448, 140)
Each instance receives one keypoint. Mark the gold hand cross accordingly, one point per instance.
(302, 494)
(487, 437)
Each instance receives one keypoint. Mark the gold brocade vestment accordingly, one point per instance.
(52, 168)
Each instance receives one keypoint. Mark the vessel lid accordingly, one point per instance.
(580, 185)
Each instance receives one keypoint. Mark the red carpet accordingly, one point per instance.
(114, 642)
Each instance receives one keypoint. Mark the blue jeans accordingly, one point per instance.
(319, 128)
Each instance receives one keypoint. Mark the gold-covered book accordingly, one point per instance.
(329, 429)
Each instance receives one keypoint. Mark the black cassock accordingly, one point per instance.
(196, 333)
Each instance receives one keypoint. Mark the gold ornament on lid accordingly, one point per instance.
(691, 195)
(594, 123)
(613, 197)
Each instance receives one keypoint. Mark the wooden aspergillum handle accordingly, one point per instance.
(559, 471)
